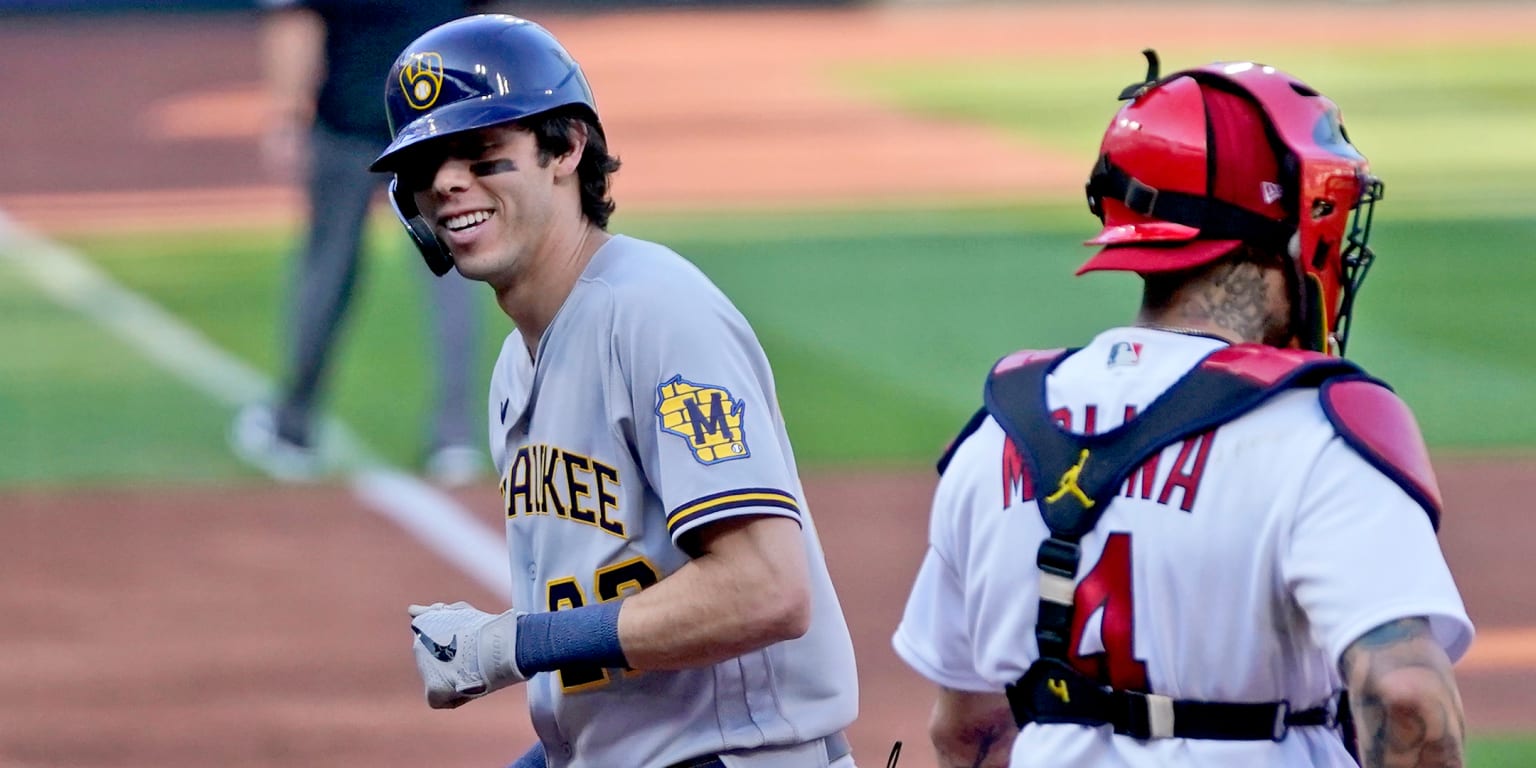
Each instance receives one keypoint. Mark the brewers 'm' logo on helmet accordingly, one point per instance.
(422, 80)
(705, 416)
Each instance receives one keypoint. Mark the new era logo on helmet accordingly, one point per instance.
(422, 80)
(1271, 191)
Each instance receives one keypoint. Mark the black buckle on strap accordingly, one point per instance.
(1135, 716)
(1059, 557)
(1331, 709)
(1139, 198)
(1057, 560)
(1282, 720)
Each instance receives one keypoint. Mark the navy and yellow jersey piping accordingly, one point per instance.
(770, 501)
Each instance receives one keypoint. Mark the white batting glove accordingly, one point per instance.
(463, 653)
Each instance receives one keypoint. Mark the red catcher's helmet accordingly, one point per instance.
(1204, 160)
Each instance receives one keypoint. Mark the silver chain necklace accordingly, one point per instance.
(1184, 331)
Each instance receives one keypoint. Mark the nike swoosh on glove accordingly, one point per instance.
(463, 653)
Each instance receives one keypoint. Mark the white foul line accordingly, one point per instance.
(435, 519)
(438, 523)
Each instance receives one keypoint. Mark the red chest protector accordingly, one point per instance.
(1231, 381)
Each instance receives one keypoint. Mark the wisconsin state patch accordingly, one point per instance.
(705, 416)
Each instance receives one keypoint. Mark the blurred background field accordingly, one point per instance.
(881, 326)
(881, 322)
(881, 313)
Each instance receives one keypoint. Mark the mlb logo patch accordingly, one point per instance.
(1124, 353)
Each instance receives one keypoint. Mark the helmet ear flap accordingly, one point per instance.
(438, 259)
(1308, 321)
(1312, 326)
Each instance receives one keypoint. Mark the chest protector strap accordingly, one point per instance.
(1075, 478)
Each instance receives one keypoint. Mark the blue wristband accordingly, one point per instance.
(588, 635)
(533, 758)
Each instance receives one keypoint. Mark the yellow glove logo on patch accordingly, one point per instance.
(422, 81)
(707, 418)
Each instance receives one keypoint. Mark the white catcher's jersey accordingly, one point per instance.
(652, 412)
(1238, 570)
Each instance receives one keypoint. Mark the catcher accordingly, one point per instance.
(1203, 539)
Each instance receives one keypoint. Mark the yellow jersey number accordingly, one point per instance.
(611, 582)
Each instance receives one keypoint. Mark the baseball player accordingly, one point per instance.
(1180, 544)
(672, 604)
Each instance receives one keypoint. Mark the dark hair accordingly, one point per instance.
(552, 130)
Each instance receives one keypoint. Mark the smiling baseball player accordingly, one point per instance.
(672, 604)
(1177, 545)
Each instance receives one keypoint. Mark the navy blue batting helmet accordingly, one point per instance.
(475, 72)
(468, 74)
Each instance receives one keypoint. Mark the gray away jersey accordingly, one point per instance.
(652, 412)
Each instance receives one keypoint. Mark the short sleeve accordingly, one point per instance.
(1362, 553)
(934, 636)
(706, 421)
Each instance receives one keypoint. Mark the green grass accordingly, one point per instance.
(1508, 751)
(78, 406)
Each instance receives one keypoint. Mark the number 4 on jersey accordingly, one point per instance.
(1103, 601)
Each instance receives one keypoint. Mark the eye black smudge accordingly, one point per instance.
(492, 167)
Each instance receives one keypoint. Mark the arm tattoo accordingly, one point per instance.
(987, 739)
(1407, 709)
(1393, 632)
(973, 730)
(984, 736)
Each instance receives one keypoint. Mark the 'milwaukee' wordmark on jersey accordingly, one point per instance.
(546, 480)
